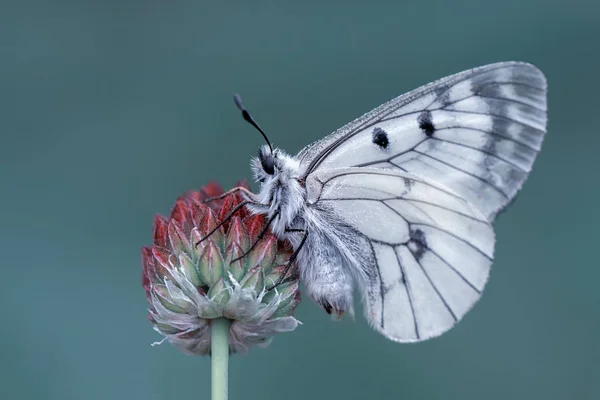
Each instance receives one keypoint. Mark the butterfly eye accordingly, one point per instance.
(267, 162)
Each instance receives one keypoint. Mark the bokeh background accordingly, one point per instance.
(110, 110)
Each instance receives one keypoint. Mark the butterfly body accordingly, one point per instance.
(327, 254)
(399, 203)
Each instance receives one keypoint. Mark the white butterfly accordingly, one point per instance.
(399, 202)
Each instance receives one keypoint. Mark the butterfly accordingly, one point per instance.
(399, 203)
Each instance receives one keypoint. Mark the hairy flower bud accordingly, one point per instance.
(191, 278)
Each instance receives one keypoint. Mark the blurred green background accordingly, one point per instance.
(110, 110)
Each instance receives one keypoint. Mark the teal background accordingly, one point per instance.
(110, 110)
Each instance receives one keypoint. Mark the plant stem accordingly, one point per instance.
(219, 342)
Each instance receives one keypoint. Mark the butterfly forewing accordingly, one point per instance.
(427, 252)
(477, 132)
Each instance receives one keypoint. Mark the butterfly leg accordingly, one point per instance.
(293, 257)
(258, 239)
(245, 191)
(228, 217)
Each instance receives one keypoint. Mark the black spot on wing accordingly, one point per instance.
(442, 93)
(425, 123)
(417, 243)
(380, 138)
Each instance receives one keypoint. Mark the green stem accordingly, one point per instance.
(219, 342)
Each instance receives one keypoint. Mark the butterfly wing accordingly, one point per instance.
(477, 132)
(427, 252)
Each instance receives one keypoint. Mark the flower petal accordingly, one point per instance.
(213, 189)
(229, 203)
(189, 269)
(237, 234)
(264, 254)
(148, 268)
(180, 242)
(197, 246)
(165, 299)
(211, 265)
(161, 237)
(162, 266)
(197, 210)
(237, 269)
(220, 292)
(182, 214)
(254, 280)
(208, 223)
(255, 224)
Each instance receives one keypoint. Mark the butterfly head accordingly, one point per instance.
(273, 167)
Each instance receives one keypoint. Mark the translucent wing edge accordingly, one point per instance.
(315, 186)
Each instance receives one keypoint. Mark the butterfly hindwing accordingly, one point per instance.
(427, 252)
(476, 132)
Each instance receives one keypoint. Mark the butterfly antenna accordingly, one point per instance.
(238, 102)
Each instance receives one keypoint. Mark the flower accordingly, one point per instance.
(189, 284)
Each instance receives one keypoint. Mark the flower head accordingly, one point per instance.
(188, 284)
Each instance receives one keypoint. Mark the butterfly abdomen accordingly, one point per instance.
(326, 278)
